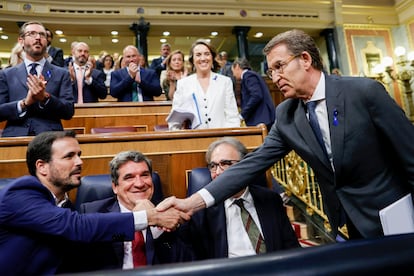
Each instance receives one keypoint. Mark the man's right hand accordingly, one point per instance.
(168, 220)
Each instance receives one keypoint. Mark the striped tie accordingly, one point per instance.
(251, 228)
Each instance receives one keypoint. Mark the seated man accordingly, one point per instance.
(220, 231)
(131, 174)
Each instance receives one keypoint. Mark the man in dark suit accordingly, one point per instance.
(88, 84)
(131, 174)
(34, 227)
(34, 98)
(256, 103)
(365, 160)
(53, 54)
(158, 64)
(133, 83)
(218, 231)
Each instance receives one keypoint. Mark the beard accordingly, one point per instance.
(67, 183)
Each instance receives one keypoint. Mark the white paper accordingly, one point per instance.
(180, 116)
(398, 217)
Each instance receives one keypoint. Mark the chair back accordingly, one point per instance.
(197, 179)
(95, 187)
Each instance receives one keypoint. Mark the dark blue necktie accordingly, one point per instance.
(313, 121)
(33, 69)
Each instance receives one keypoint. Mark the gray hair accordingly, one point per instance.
(242, 150)
(124, 157)
(243, 63)
(297, 42)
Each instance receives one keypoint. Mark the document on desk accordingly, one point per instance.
(398, 217)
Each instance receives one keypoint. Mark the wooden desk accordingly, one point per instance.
(123, 108)
(143, 115)
(172, 153)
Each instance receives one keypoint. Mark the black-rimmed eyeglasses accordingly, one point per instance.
(223, 164)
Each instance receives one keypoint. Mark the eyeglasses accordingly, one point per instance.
(279, 67)
(34, 34)
(223, 164)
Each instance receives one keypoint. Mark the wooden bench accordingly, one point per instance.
(172, 153)
(142, 115)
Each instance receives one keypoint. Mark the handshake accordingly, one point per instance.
(171, 212)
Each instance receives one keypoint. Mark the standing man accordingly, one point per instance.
(256, 103)
(35, 231)
(88, 84)
(134, 83)
(131, 174)
(221, 232)
(362, 154)
(34, 95)
(158, 64)
(53, 54)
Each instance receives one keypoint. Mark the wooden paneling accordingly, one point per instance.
(172, 153)
(120, 108)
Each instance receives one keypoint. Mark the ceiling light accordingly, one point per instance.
(166, 33)
(214, 33)
(59, 32)
(163, 40)
(115, 40)
(62, 39)
(4, 37)
(114, 33)
(1, 29)
(259, 34)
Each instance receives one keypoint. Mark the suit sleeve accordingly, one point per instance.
(253, 95)
(150, 83)
(121, 83)
(98, 84)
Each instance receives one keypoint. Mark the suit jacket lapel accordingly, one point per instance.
(22, 72)
(305, 130)
(336, 117)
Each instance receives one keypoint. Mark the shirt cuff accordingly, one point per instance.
(20, 111)
(140, 220)
(207, 197)
(88, 81)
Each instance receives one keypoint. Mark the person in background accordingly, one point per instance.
(34, 95)
(34, 226)
(175, 71)
(131, 174)
(53, 54)
(207, 95)
(100, 61)
(108, 69)
(16, 55)
(220, 232)
(133, 83)
(88, 84)
(225, 64)
(158, 64)
(362, 154)
(69, 59)
(256, 103)
(119, 63)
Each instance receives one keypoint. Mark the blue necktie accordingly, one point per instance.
(33, 69)
(313, 121)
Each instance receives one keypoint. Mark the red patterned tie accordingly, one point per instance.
(138, 250)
